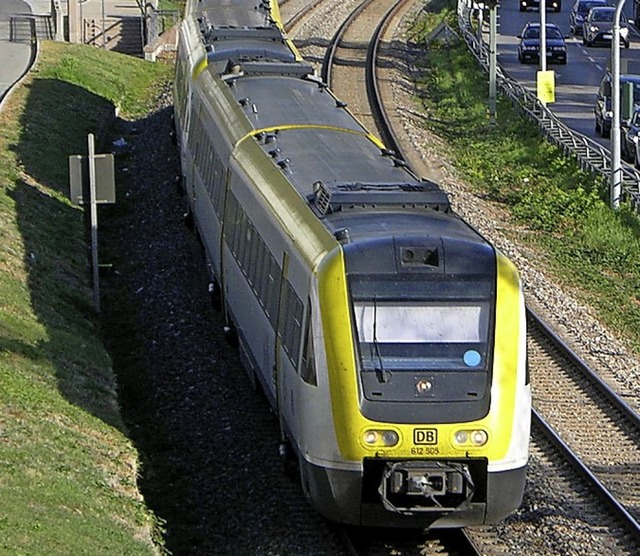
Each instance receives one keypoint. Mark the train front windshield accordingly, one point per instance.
(431, 325)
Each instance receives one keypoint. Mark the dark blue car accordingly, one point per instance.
(529, 45)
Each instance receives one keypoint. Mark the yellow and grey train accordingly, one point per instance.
(388, 336)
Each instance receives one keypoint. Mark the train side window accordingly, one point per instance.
(182, 84)
(209, 166)
(249, 240)
(195, 131)
(307, 362)
(273, 290)
(256, 260)
(262, 280)
(218, 184)
(241, 235)
(232, 229)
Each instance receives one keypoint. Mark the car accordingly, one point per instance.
(529, 44)
(630, 143)
(603, 105)
(553, 5)
(597, 27)
(579, 12)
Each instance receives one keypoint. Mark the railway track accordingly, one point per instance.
(595, 423)
(350, 64)
(296, 11)
(370, 542)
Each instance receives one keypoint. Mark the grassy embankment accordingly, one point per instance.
(67, 469)
(591, 249)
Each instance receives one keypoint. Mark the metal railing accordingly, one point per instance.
(29, 27)
(159, 21)
(590, 155)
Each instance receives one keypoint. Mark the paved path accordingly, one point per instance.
(15, 56)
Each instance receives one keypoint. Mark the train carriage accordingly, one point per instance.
(388, 335)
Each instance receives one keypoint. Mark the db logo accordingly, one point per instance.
(425, 436)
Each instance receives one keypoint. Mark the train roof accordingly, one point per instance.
(290, 114)
(346, 167)
(234, 13)
(344, 173)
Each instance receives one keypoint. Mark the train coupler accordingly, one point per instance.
(409, 487)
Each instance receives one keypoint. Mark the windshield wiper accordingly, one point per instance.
(380, 372)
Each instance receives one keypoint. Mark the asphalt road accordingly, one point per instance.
(577, 82)
(15, 56)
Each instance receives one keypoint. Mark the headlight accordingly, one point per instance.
(624, 32)
(608, 114)
(594, 28)
(528, 47)
(473, 437)
(380, 438)
(634, 138)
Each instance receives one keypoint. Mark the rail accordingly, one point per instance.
(591, 156)
(28, 28)
(616, 507)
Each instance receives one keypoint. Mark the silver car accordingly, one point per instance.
(597, 27)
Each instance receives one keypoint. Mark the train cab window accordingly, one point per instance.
(433, 327)
(291, 324)
(307, 362)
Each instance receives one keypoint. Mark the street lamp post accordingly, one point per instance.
(543, 35)
(493, 59)
(616, 166)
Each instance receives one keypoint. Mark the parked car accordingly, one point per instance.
(630, 143)
(603, 106)
(579, 12)
(554, 5)
(529, 44)
(597, 27)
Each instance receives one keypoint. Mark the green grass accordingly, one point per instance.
(172, 5)
(588, 247)
(67, 469)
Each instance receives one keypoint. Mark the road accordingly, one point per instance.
(577, 82)
(15, 56)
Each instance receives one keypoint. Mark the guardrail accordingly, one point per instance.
(591, 155)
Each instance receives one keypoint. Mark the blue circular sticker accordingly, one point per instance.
(472, 358)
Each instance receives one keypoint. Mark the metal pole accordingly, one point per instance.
(104, 31)
(82, 33)
(94, 223)
(493, 61)
(543, 35)
(616, 166)
(59, 19)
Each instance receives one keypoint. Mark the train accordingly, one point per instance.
(388, 336)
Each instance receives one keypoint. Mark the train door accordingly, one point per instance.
(285, 357)
(195, 133)
(185, 155)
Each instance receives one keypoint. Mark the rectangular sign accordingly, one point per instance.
(79, 179)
